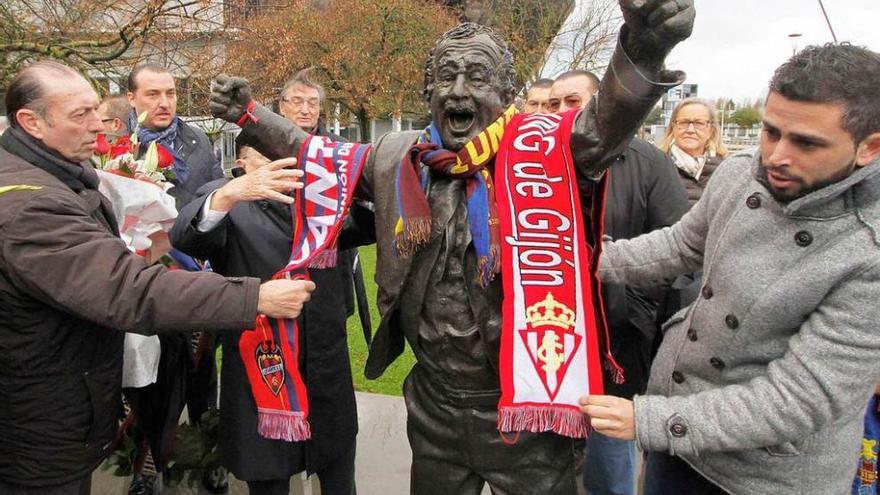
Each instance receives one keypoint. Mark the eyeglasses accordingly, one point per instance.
(699, 125)
(310, 103)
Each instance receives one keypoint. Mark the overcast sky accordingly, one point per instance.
(736, 44)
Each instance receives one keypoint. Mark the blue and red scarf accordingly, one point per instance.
(469, 164)
(270, 351)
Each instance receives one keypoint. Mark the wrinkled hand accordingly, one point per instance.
(284, 298)
(230, 97)
(271, 181)
(656, 26)
(611, 416)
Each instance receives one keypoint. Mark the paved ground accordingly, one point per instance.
(382, 464)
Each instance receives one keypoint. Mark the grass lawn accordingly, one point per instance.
(391, 382)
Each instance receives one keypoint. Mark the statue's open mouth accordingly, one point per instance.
(460, 121)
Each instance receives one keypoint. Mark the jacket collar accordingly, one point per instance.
(833, 199)
(77, 176)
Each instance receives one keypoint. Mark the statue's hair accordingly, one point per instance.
(465, 30)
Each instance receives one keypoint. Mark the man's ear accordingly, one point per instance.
(868, 150)
(31, 122)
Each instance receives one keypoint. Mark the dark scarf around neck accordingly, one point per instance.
(77, 176)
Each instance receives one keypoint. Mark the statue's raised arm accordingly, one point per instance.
(274, 136)
(635, 79)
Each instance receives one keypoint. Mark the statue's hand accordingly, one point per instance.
(230, 97)
(655, 27)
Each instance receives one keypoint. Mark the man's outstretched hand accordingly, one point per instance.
(230, 97)
(655, 27)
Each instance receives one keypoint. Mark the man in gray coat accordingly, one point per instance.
(760, 385)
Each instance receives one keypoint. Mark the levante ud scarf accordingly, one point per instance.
(270, 351)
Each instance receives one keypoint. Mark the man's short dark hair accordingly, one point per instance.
(304, 78)
(594, 79)
(835, 73)
(118, 107)
(149, 66)
(465, 30)
(543, 83)
(28, 89)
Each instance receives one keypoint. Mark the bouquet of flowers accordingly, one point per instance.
(138, 190)
(145, 212)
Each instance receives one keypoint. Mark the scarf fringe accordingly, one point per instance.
(614, 369)
(561, 420)
(412, 235)
(324, 259)
(291, 426)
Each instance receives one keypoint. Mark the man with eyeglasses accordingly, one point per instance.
(301, 102)
(114, 111)
(244, 233)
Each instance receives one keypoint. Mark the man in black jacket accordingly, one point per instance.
(245, 230)
(69, 287)
(644, 194)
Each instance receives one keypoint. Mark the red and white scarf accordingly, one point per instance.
(270, 352)
(549, 342)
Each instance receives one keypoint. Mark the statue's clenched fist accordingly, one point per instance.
(230, 97)
(656, 26)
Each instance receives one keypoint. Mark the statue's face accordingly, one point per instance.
(467, 94)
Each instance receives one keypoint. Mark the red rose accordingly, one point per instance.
(102, 147)
(166, 159)
(121, 146)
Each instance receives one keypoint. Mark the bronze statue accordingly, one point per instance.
(433, 297)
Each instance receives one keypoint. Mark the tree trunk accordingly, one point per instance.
(364, 123)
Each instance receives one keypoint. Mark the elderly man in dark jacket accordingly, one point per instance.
(244, 233)
(68, 285)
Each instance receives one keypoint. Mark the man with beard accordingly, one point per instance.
(433, 296)
(760, 385)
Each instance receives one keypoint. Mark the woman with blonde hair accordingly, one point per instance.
(693, 142)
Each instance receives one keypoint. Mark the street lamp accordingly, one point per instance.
(793, 37)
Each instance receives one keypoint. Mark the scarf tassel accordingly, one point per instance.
(324, 259)
(276, 424)
(412, 234)
(614, 369)
(569, 422)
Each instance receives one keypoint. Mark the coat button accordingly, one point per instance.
(692, 335)
(753, 201)
(677, 376)
(707, 292)
(717, 363)
(678, 430)
(731, 322)
(803, 238)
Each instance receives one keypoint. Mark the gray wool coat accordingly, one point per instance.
(761, 384)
